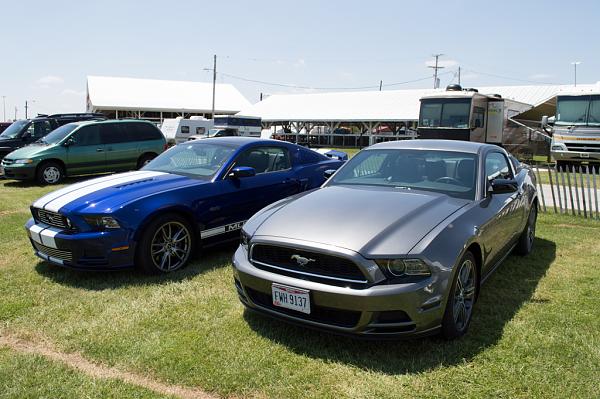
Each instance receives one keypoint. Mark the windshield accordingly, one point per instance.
(450, 173)
(445, 112)
(57, 135)
(578, 110)
(15, 130)
(198, 159)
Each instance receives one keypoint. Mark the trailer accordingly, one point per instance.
(466, 114)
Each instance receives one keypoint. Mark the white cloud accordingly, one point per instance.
(442, 63)
(300, 63)
(49, 80)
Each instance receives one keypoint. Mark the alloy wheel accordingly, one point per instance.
(464, 295)
(171, 246)
(51, 174)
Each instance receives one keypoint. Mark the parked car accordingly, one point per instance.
(194, 195)
(84, 148)
(24, 132)
(396, 243)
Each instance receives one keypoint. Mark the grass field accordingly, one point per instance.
(535, 333)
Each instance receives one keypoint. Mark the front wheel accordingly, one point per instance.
(166, 244)
(49, 173)
(145, 160)
(461, 299)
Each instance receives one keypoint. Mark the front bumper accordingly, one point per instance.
(378, 311)
(98, 250)
(26, 172)
(575, 156)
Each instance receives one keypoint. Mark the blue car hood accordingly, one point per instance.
(108, 193)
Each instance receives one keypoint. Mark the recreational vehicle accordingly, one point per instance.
(179, 130)
(466, 114)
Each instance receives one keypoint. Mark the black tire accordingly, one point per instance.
(527, 237)
(461, 298)
(144, 159)
(49, 173)
(160, 249)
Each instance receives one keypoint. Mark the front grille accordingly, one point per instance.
(320, 314)
(320, 266)
(7, 162)
(50, 218)
(53, 252)
(589, 147)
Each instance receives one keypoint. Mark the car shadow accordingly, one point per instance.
(210, 259)
(505, 292)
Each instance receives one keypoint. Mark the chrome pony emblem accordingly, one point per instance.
(301, 260)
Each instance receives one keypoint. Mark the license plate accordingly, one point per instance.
(585, 155)
(291, 298)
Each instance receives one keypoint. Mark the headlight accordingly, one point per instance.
(103, 222)
(404, 267)
(559, 147)
(24, 161)
(244, 240)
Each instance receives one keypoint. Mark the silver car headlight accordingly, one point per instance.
(244, 240)
(559, 147)
(404, 267)
(102, 222)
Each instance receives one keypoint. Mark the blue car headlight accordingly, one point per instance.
(102, 222)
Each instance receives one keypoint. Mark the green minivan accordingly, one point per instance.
(84, 148)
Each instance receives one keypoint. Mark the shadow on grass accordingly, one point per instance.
(505, 292)
(210, 259)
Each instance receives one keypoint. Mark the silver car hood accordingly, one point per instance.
(373, 221)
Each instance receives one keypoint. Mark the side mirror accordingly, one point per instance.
(544, 120)
(502, 186)
(69, 142)
(242, 171)
(328, 173)
(26, 136)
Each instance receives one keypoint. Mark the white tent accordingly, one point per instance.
(150, 95)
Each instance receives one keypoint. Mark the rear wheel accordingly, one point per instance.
(461, 299)
(525, 243)
(49, 173)
(166, 244)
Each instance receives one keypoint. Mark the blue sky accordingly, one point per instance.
(49, 47)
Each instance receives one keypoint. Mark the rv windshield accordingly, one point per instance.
(445, 113)
(578, 110)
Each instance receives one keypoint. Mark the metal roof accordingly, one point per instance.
(380, 106)
(129, 94)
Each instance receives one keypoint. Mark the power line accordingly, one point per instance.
(509, 78)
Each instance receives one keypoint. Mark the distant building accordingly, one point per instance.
(156, 100)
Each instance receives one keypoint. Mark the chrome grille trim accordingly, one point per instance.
(54, 253)
(50, 218)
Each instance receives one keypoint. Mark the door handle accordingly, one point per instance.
(99, 150)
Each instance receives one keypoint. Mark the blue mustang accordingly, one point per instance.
(198, 193)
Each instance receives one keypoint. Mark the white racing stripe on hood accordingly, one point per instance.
(59, 193)
(126, 178)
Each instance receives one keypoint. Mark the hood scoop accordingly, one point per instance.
(134, 183)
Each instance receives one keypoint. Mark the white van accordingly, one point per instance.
(179, 130)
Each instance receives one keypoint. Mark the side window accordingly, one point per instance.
(87, 135)
(496, 166)
(113, 133)
(185, 129)
(200, 131)
(265, 159)
(478, 117)
(144, 132)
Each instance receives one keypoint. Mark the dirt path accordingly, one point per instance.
(79, 363)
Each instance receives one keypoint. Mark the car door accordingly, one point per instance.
(503, 210)
(122, 149)
(86, 152)
(240, 198)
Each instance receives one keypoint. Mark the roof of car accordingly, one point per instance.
(103, 121)
(440, 145)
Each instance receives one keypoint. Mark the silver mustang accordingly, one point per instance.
(396, 243)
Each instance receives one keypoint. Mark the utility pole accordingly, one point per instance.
(15, 114)
(4, 108)
(25, 109)
(380, 84)
(214, 83)
(435, 70)
(459, 76)
(575, 63)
